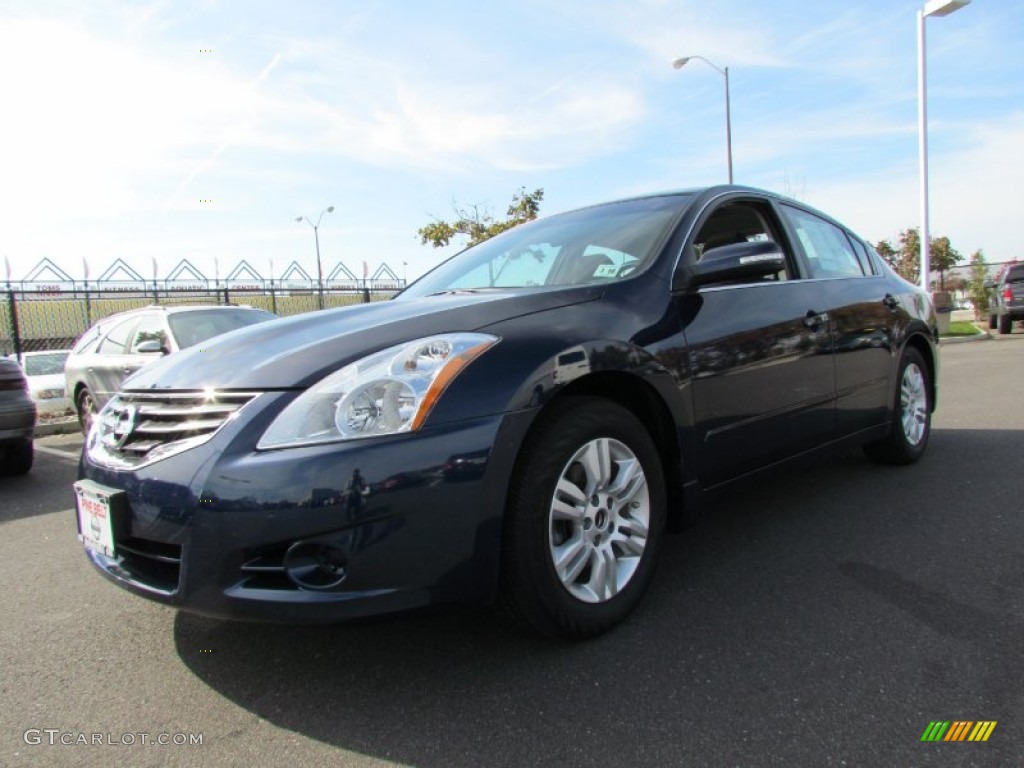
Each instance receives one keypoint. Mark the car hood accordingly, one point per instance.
(295, 352)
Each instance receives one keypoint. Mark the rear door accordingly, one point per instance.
(863, 314)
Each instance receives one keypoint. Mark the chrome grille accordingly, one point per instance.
(138, 428)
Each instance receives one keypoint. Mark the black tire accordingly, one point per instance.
(912, 414)
(570, 436)
(1005, 324)
(992, 322)
(85, 405)
(18, 460)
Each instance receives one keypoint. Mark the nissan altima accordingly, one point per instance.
(522, 425)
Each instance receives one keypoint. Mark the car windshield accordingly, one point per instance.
(44, 365)
(191, 328)
(593, 245)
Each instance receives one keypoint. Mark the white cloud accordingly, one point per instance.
(973, 193)
(91, 118)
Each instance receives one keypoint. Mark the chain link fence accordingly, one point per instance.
(32, 321)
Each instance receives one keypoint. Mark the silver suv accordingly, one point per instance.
(117, 346)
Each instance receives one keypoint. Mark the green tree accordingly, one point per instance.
(908, 256)
(976, 288)
(905, 258)
(887, 252)
(943, 257)
(478, 223)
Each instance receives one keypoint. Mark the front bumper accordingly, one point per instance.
(228, 531)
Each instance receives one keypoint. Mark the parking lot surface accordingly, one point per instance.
(822, 617)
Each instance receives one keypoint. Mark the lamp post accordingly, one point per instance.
(679, 64)
(931, 8)
(316, 237)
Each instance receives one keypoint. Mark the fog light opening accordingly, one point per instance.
(315, 565)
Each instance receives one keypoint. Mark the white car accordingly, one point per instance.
(45, 374)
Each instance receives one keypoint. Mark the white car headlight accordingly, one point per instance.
(390, 391)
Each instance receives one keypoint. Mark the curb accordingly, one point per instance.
(56, 428)
(981, 335)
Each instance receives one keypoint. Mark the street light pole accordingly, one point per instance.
(316, 238)
(724, 72)
(931, 8)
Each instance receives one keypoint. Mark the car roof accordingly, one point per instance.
(174, 310)
(708, 192)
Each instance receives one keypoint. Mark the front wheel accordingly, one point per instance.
(586, 515)
(912, 415)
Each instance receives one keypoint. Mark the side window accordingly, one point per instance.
(862, 254)
(150, 328)
(828, 249)
(115, 341)
(739, 222)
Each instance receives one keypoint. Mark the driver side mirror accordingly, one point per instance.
(735, 262)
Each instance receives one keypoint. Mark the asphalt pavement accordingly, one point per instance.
(821, 617)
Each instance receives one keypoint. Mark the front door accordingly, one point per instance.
(760, 355)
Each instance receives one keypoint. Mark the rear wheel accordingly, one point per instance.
(86, 405)
(992, 322)
(19, 458)
(1005, 324)
(912, 415)
(585, 520)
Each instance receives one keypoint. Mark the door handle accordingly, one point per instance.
(891, 301)
(814, 320)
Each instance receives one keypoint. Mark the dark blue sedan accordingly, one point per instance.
(521, 425)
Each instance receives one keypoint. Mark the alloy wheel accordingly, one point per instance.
(913, 404)
(599, 519)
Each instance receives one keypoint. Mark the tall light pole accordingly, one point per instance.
(316, 237)
(678, 64)
(931, 8)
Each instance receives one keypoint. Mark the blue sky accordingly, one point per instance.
(117, 124)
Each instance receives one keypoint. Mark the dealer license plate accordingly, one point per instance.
(94, 516)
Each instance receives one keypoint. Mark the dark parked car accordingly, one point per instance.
(1006, 298)
(117, 346)
(17, 420)
(521, 423)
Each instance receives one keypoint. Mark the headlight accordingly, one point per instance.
(388, 392)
